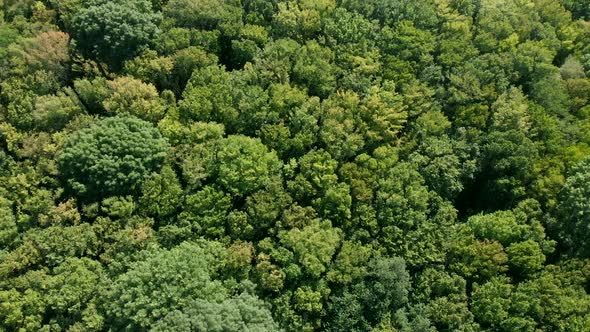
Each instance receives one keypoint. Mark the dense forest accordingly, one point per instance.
(302, 165)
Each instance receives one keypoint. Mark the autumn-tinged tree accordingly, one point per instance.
(46, 51)
(133, 97)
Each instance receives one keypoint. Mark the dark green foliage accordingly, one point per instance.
(282, 165)
(112, 31)
(111, 157)
(580, 9)
(574, 209)
(383, 290)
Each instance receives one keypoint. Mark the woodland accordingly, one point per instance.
(295, 165)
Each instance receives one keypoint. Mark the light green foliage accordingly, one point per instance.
(265, 207)
(112, 156)
(445, 296)
(274, 63)
(290, 105)
(49, 246)
(182, 292)
(133, 97)
(543, 301)
(295, 21)
(186, 61)
(188, 270)
(339, 131)
(208, 97)
(455, 37)
(525, 257)
(205, 212)
(350, 123)
(7, 36)
(245, 165)
(510, 226)
(344, 27)
(252, 38)
(516, 238)
(151, 68)
(312, 246)
(161, 194)
(444, 164)
(48, 51)
(317, 184)
(178, 133)
(21, 310)
(491, 302)
(71, 292)
(349, 264)
(477, 259)
(409, 43)
(92, 93)
(510, 112)
(8, 229)
(244, 311)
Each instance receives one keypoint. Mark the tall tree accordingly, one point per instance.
(112, 156)
(113, 31)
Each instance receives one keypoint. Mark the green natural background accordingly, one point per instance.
(306, 165)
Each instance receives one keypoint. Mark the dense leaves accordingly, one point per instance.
(112, 157)
(112, 31)
(295, 165)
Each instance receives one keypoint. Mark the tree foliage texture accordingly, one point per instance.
(295, 165)
(112, 157)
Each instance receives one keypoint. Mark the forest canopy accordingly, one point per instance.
(295, 165)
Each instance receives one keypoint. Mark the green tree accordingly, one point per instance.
(72, 291)
(133, 97)
(312, 246)
(413, 222)
(208, 97)
(244, 311)
(579, 8)
(574, 210)
(444, 295)
(365, 304)
(8, 229)
(183, 294)
(205, 14)
(53, 112)
(112, 156)
(244, 165)
(161, 194)
(48, 51)
(113, 31)
(314, 70)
